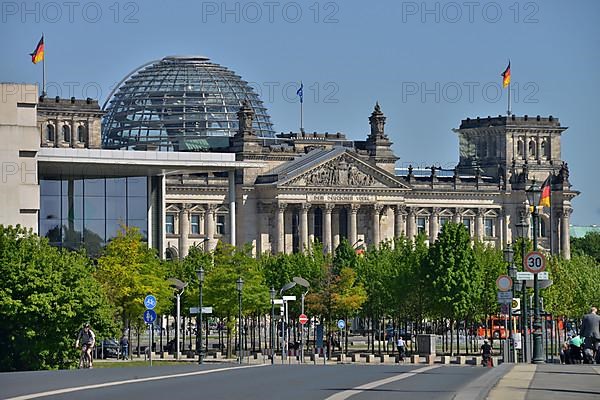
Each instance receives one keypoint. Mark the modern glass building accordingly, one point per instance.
(76, 213)
(180, 104)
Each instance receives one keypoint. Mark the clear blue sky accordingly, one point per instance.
(348, 54)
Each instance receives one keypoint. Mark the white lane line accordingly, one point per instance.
(371, 385)
(129, 381)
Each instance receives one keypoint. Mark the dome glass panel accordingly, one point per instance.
(180, 104)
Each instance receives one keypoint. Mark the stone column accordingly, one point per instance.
(327, 244)
(209, 226)
(434, 225)
(263, 228)
(399, 222)
(304, 207)
(376, 234)
(335, 228)
(281, 227)
(411, 223)
(352, 223)
(184, 230)
(500, 229)
(232, 214)
(479, 224)
(565, 245)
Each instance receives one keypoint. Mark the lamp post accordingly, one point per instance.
(509, 255)
(522, 231)
(304, 283)
(533, 196)
(284, 328)
(239, 284)
(272, 294)
(200, 275)
(180, 286)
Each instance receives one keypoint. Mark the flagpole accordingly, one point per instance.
(508, 112)
(44, 68)
(301, 116)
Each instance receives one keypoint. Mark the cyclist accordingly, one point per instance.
(486, 352)
(87, 339)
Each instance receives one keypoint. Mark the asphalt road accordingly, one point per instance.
(215, 382)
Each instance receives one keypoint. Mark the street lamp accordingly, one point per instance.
(272, 294)
(284, 346)
(180, 286)
(200, 275)
(533, 196)
(304, 283)
(523, 232)
(239, 284)
(509, 258)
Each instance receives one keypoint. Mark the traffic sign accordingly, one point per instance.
(341, 324)
(504, 283)
(288, 298)
(149, 316)
(534, 262)
(505, 297)
(543, 276)
(516, 304)
(303, 319)
(524, 276)
(150, 302)
(205, 310)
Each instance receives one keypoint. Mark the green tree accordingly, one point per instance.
(589, 244)
(453, 274)
(489, 262)
(46, 295)
(129, 271)
(220, 286)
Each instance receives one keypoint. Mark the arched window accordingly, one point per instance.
(81, 133)
(532, 148)
(50, 133)
(520, 148)
(66, 132)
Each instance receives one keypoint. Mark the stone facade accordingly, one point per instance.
(325, 187)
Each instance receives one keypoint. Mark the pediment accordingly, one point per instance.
(343, 170)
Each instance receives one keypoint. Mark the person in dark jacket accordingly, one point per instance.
(590, 329)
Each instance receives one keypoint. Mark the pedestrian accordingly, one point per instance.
(124, 343)
(590, 332)
(400, 345)
(575, 351)
(565, 358)
(486, 353)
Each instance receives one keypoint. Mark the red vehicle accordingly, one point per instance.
(494, 328)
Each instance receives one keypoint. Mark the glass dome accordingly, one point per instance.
(180, 104)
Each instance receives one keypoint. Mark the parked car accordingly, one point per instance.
(108, 348)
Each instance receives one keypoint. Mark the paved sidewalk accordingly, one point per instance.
(548, 382)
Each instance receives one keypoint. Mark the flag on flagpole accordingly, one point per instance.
(300, 92)
(38, 53)
(506, 76)
(545, 197)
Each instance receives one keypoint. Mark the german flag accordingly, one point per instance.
(545, 197)
(38, 53)
(506, 76)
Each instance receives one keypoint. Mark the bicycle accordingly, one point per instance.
(85, 359)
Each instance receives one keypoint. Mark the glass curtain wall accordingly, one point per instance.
(76, 213)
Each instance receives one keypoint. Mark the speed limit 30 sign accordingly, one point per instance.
(534, 262)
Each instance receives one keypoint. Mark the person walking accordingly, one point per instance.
(124, 343)
(590, 332)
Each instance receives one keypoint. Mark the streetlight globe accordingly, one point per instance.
(534, 193)
(239, 284)
(200, 275)
(272, 293)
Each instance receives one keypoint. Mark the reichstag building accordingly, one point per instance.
(185, 150)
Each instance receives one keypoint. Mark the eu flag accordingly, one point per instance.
(300, 92)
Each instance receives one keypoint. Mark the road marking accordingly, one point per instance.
(117, 383)
(371, 385)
